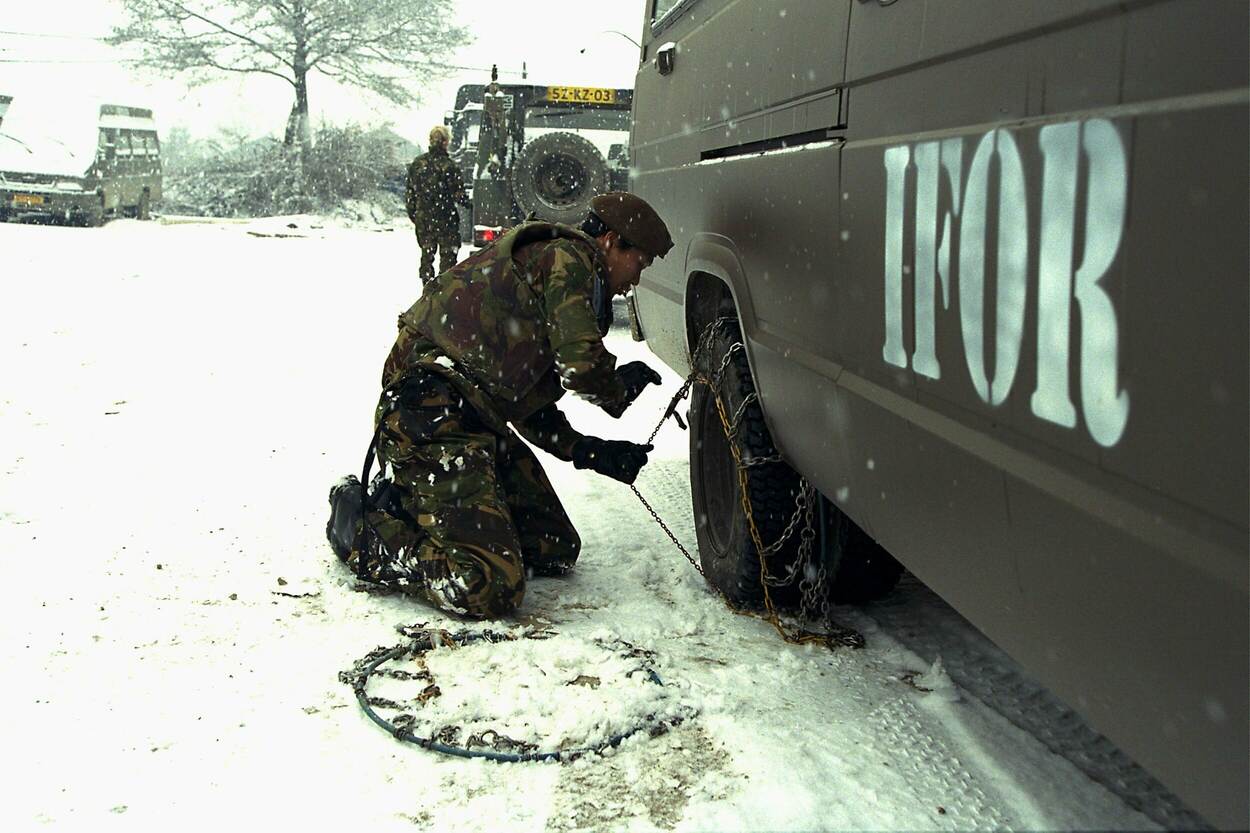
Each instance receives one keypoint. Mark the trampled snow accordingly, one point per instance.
(177, 401)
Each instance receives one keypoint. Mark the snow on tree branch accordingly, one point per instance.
(385, 47)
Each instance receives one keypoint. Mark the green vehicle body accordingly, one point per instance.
(548, 156)
(989, 260)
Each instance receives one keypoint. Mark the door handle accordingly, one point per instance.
(666, 58)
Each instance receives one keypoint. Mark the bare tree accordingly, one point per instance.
(383, 46)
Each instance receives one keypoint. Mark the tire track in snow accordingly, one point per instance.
(931, 769)
(921, 622)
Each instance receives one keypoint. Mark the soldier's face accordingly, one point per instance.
(624, 265)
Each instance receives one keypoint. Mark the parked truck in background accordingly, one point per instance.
(77, 162)
(988, 264)
(534, 149)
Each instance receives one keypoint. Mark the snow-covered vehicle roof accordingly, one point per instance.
(55, 136)
(49, 136)
(41, 154)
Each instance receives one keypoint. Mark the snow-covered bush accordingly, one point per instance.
(263, 178)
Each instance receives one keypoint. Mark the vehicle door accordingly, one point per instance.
(746, 81)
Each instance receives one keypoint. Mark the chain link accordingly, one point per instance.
(668, 531)
(813, 589)
(799, 511)
(735, 423)
(813, 586)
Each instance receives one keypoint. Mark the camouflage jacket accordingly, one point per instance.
(512, 327)
(433, 189)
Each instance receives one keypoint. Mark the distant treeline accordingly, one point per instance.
(232, 176)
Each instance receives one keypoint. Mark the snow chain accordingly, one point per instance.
(813, 586)
(492, 745)
(488, 744)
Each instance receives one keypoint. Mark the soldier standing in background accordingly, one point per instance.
(434, 188)
(462, 509)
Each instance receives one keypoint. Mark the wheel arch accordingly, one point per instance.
(716, 285)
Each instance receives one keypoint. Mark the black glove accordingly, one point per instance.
(617, 459)
(635, 376)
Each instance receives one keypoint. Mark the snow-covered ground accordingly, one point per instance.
(176, 401)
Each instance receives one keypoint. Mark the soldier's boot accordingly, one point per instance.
(346, 516)
(426, 273)
(355, 543)
(426, 270)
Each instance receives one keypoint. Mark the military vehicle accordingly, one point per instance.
(987, 262)
(79, 163)
(545, 150)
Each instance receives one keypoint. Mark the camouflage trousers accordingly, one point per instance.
(445, 242)
(461, 513)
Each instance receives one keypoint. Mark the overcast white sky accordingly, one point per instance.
(548, 35)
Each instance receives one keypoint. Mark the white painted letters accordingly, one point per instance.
(896, 160)
(933, 258)
(1013, 239)
(1104, 404)
(1052, 400)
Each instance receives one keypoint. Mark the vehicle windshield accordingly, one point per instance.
(465, 126)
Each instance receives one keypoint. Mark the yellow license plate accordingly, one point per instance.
(27, 199)
(582, 95)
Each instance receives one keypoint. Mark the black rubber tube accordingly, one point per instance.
(406, 735)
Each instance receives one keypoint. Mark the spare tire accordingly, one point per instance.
(557, 175)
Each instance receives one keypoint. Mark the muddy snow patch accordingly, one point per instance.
(549, 693)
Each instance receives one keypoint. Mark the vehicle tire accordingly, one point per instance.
(727, 554)
(144, 210)
(857, 568)
(94, 218)
(557, 175)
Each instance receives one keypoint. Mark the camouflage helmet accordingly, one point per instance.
(634, 220)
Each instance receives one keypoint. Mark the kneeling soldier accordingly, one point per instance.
(462, 508)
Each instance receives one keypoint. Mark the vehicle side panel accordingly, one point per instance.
(1061, 448)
